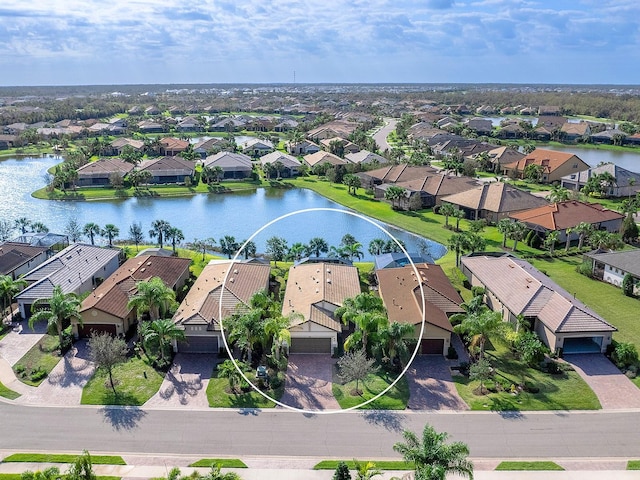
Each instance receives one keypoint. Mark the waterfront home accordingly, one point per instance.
(322, 157)
(102, 171)
(117, 146)
(365, 157)
(612, 267)
(18, 258)
(288, 164)
(553, 165)
(170, 146)
(626, 183)
(304, 147)
(234, 165)
(167, 169)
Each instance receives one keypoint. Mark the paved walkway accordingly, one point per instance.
(308, 382)
(613, 389)
(20, 340)
(185, 384)
(64, 384)
(431, 386)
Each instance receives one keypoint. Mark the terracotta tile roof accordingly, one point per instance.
(201, 306)
(495, 197)
(524, 290)
(575, 128)
(550, 160)
(400, 291)
(316, 289)
(113, 294)
(171, 143)
(563, 215)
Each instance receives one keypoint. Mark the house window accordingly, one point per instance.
(575, 165)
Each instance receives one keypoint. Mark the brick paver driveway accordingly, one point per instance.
(185, 384)
(64, 384)
(20, 340)
(308, 382)
(613, 389)
(431, 386)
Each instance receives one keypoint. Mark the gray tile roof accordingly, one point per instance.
(627, 261)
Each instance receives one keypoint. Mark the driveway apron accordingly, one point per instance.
(64, 384)
(185, 384)
(431, 386)
(20, 340)
(612, 387)
(308, 382)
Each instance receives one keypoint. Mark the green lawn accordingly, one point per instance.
(381, 465)
(219, 398)
(536, 465)
(136, 381)
(565, 391)
(62, 458)
(8, 393)
(42, 357)
(394, 399)
(633, 465)
(222, 462)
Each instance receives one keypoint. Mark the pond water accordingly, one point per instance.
(593, 156)
(198, 216)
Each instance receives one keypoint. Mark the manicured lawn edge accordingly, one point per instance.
(43, 356)
(7, 392)
(535, 465)
(382, 464)
(61, 458)
(223, 462)
(395, 399)
(633, 465)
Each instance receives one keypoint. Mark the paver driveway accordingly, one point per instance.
(20, 340)
(64, 384)
(431, 386)
(613, 389)
(308, 382)
(185, 384)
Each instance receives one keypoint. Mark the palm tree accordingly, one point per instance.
(135, 234)
(480, 326)
(228, 245)
(202, 245)
(447, 209)
(392, 340)
(551, 239)
(164, 331)
(58, 309)
(353, 250)
(152, 297)
(517, 233)
(458, 214)
(317, 246)
(458, 242)
(558, 194)
(110, 231)
(91, 230)
(159, 229)
(39, 227)
(175, 235)
(23, 223)
(432, 457)
(366, 470)
(9, 288)
(504, 226)
(229, 371)
(246, 330)
(296, 251)
(394, 194)
(376, 246)
(249, 248)
(367, 313)
(583, 229)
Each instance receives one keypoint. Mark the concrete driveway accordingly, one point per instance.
(20, 340)
(431, 386)
(308, 382)
(185, 384)
(64, 384)
(613, 389)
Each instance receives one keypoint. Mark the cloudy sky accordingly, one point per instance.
(47, 42)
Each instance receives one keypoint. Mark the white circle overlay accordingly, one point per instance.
(329, 411)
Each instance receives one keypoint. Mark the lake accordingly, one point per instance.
(198, 216)
(628, 159)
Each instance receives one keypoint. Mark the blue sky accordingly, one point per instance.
(59, 42)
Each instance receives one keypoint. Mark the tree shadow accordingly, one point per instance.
(122, 418)
(246, 412)
(389, 420)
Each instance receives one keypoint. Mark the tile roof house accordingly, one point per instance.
(433, 187)
(365, 157)
(76, 269)
(611, 267)
(210, 300)
(394, 174)
(234, 165)
(493, 201)
(116, 146)
(627, 182)
(554, 165)
(100, 172)
(206, 147)
(562, 215)
(572, 132)
(609, 136)
(514, 287)
(167, 169)
(290, 164)
(402, 292)
(256, 147)
(322, 157)
(304, 147)
(170, 146)
(347, 146)
(316, 290)
(105, 309)
(18, 258)
(504, 155)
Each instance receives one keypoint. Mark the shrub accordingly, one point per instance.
(477, 291)
(624, 354)
(553, 367)
(529, 348)
(451, 353)
(585, 268)
(38, 374)
(627, 285)
(342, 472)
(531, 388)
(463, 368)
(20, 369)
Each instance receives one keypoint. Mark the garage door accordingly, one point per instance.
(432, 346)
(199, 345)
(582, 345)
(87, 329)
(310, 345)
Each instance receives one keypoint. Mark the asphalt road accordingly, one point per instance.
(381, 135)
(284, 433)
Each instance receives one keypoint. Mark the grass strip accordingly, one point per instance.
(633, 465)
(61, 458)
(538, 465)
(223, 462)
(381, 465)
(8, 393)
